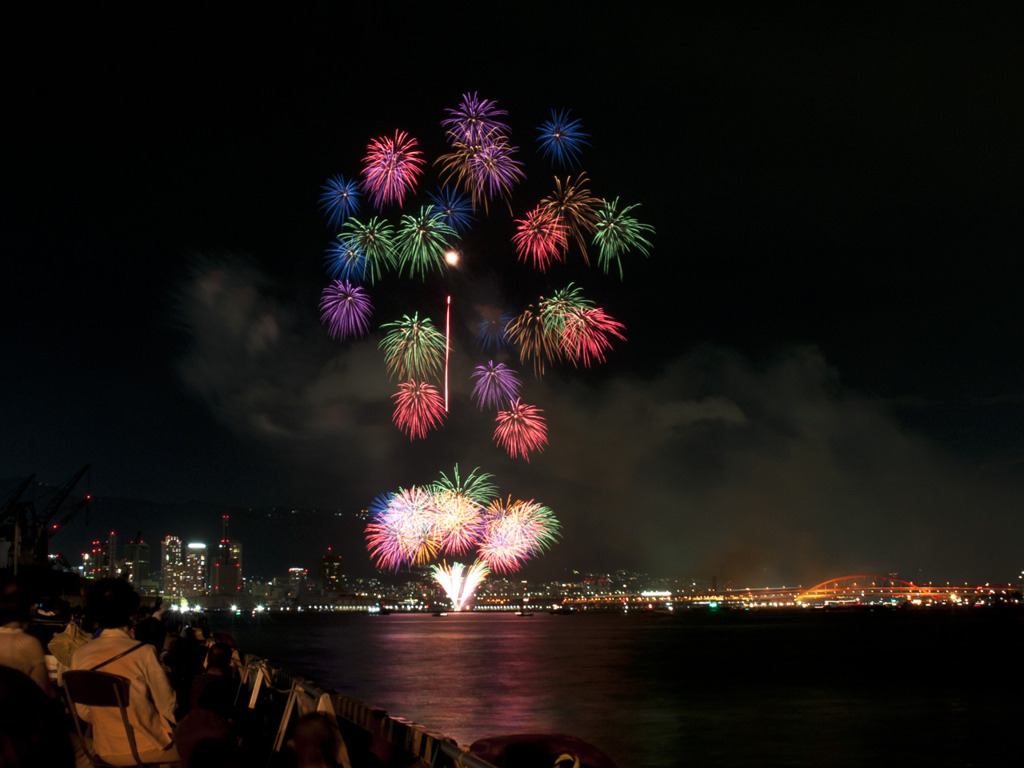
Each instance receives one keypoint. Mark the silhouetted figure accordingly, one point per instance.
(32, 732)
(111, 603)
(18, 649)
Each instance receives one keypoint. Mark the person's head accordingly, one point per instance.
(316, 741)
(219, 657)
(14, 606)
(111, 603)
(151, 630)
(30, 735)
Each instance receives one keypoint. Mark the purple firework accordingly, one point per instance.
(345, 310)
(474, 120)
(496, 385)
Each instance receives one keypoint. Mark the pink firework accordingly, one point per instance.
(541, 237)
(521, 429)
(403, 531)
(585, 334)
(390, 169)
(419, 408)
(514, 532)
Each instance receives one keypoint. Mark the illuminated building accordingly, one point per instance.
(194, 575)
(172, 565)
(332, 579)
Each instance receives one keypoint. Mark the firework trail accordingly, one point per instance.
(540, 238)
(390, 169)
(514, 532)
(413, 349)
(339, 199)
(419, 408)
(562, 139)
(618, 233)
(521, 429)
(345, 309)
(496, 385)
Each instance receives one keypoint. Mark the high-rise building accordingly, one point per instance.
(332, 578)
(172, 565)
(101, 559)
(226, 571)
(196, 571)
(136, 562)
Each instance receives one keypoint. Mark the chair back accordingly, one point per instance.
(97, 689)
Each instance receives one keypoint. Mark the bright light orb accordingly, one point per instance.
(452, 257)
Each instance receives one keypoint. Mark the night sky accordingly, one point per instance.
(823, 372)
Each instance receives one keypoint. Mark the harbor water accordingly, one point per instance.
(723, 688)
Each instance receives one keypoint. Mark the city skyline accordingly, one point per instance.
(820, 372)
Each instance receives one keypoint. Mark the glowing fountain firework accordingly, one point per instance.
(481, 165)
(453, 516)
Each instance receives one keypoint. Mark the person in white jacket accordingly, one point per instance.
(151, 701)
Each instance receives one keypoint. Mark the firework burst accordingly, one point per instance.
(537, 342)
(459, 582)
(521, 429)
(576, 207)
(422, 241)
(375, 240)
(413, 348)
(402, 530)
(562, 139)
(514, 532)
(617, 233)
(346, 261)
(540, 238)
(496, 385)
(585, 335)
(345, 309)
(455, 208)
(339, 199)
(474, 120)
(419, 408)
(390, 169)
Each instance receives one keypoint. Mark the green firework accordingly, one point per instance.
(619, 233)
(413, 348)
(422, 240)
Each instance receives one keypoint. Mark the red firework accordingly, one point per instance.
(585, 334)
(390, 168)
(419, 408)
(542, 238)
(521, 429)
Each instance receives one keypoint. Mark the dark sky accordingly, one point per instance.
(823, 373)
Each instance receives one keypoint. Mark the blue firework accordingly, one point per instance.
(346, 260)
(339, 198)
(492, 333)
(454, 206)
(561, 139)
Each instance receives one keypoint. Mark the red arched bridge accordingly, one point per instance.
(870, 588)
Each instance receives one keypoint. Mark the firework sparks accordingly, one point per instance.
(413, 348)
(562, 139)
(402, 530)
(375, 240)
(458, 505)
(540, 238)
(339, 199)
(459, 582)
(576, 207)
(454, 207)
(496, 385)
(536, 340)
(346, 261)
(492, 333)
(422, 241)
(514, 532)
(474, 120)
(485, 170)
(419, 408)
(345, 309)
(585, 335)
(390, 169)
(618, 233)
(521, 429)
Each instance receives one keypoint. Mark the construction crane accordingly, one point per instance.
(30, 531)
